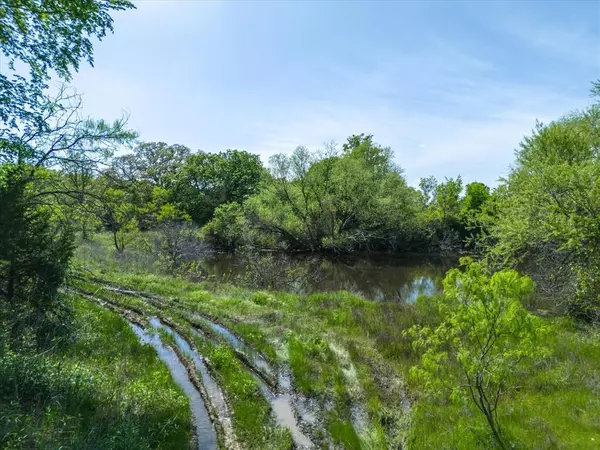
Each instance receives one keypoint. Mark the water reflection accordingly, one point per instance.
(380, 277)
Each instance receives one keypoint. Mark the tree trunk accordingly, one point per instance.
(495, 429)
(116, 241)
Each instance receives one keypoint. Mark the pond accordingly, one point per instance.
(382, 277)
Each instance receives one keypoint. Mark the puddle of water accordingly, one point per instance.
(284, 381)
(258, 361)
(284, 413)
(205, 432)
(281, 404)
(306, 409)
(213, 389)
(358, 417)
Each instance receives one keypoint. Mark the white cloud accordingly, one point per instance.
(443, 110)
(471, 126)
(572, 44)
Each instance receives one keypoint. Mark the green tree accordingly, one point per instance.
(549, 210)
(35, 204)
(443, 221)
(35, 248)
(447, 198)
(476, 194)
(38, 135)
(228, 228)
(46, 36)
(324, 200)
(208, 180)
(485, 334)
(154, 162)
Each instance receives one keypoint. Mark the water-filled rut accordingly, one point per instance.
(205, 434)
(281, 402)
(289, 410)
(212, 389)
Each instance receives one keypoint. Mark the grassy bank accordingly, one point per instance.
(99, 389)
(350, 356)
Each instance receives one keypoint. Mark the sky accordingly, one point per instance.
(451, 87)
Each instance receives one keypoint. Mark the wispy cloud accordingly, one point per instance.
(451, 92)
(457, 120)
(575, 45)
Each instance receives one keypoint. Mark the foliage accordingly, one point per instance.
(46, 36)
(549, 209)
(39, 132)
(35, 248)
(476, 196)
(54, 35)
(447, 214)
(208, 180)
(158, 163)
(228, 228)
(485, 331)
(325, 200)
(36, 201)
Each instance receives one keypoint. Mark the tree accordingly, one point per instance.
(447, 198)
(228, 227)
(35, 200)
(549, 210)
(476, 194)
(155, 162)
(485, 334)
(54, 35)
(208, 180)
(443, 221)
(46, 35)
(428, 186)
(35, 248)
(321, 200)
(79, 178)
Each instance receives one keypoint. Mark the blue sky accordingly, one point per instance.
(451, 87)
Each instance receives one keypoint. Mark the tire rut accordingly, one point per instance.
(290, 410)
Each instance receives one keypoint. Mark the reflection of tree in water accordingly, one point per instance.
(377, 277)
(419, 286)
(384, 277)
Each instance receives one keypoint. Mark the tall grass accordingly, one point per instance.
(554, 404)
(102, 389)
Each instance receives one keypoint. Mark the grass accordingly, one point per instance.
(252, 421)
(102, 389)
(345, 351)
(254, 426)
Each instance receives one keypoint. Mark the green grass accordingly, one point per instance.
(253, 424)
(103, 389)
(252, 420)
(344, 350)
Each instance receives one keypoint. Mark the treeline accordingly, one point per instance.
(543, 218)
(339, 200)
(62, 181)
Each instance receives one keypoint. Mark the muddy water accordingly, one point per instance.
(212, 388)
(382, 277)
(205, 432)
(281, 403)
(258, 361)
